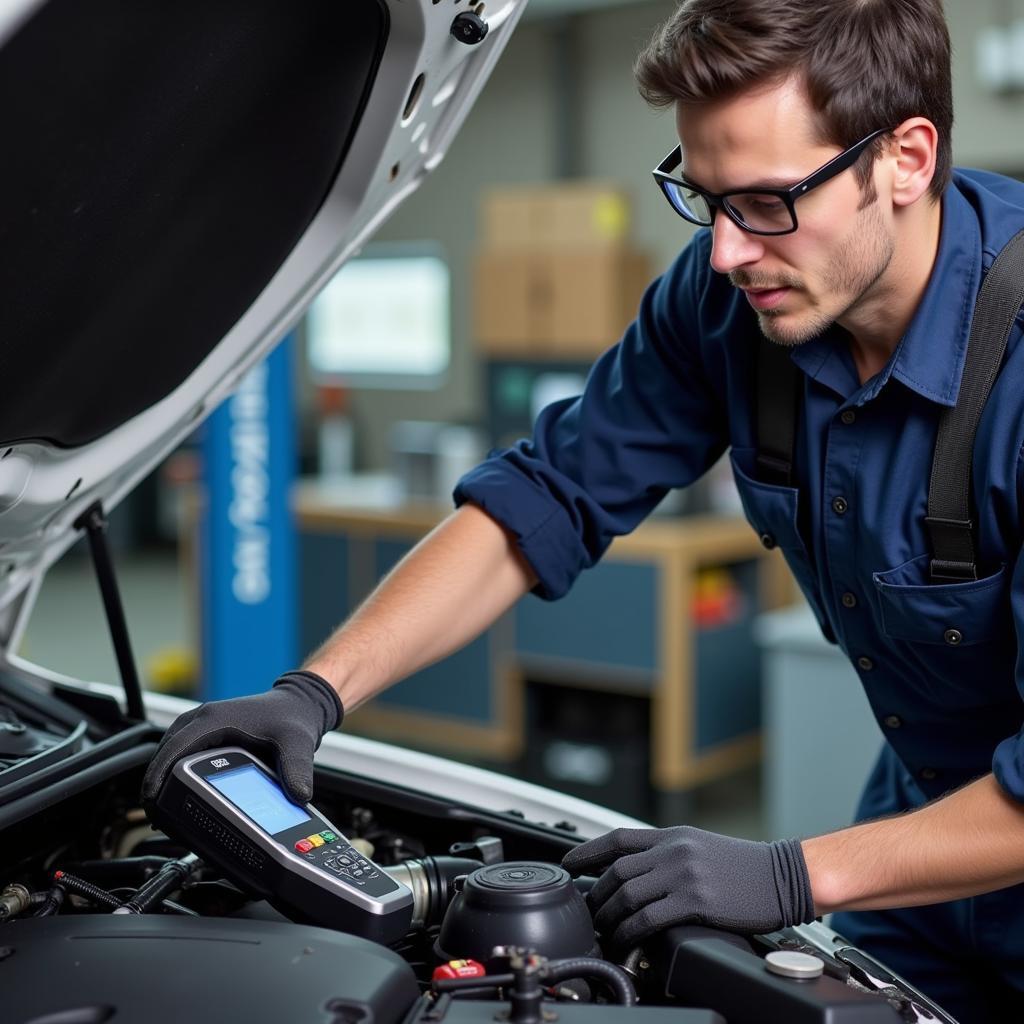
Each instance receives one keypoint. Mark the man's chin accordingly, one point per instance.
(792, 328)
(782, 330)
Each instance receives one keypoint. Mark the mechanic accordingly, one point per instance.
(868, 278)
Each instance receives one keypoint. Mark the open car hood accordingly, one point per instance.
(178, 183)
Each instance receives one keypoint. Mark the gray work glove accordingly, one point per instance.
(653, 878)
(286, 724)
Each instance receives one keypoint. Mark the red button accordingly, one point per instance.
(303, 846)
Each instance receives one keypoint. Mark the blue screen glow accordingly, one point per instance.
(259, 798)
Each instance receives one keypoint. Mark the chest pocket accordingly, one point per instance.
(772, 510)
(960, 635)
(948, 614)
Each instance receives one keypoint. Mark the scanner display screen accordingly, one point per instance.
(259, 798)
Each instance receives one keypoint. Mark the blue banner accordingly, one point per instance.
(249, 608)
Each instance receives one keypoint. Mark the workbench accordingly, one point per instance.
(626, 627)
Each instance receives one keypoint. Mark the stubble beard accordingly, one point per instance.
(859, 262)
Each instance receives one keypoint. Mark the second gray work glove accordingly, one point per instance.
(653, 878)
(286, 724)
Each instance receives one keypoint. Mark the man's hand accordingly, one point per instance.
(653, 878)
(286, 723)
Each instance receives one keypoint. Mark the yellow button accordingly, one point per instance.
(316, 840)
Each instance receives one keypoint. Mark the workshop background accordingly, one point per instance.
(683, 678)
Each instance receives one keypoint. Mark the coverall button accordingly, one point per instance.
(839, 506)
(848, 416)
(952, 637)
(849, 600)
(894, 722)
(865, 663)
(768, 540)
(928, 774)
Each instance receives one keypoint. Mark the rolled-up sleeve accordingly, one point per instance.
(648, 421)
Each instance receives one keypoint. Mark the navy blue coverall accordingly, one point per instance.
(659, 409)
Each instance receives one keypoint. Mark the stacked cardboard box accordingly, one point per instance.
(555, 274)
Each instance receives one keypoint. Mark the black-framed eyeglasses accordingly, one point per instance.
(761, 211)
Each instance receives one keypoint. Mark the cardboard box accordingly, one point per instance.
(503, 310)
(569, 214)
(568, 301)
(595, 294)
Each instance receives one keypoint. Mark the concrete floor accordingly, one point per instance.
(68, 631)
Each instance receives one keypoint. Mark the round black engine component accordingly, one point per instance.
(518, 903)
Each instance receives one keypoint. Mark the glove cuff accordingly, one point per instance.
(794, 883)
(320, 691)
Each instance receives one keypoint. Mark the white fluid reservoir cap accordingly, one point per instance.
(794, 965)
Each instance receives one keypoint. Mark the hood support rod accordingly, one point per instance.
(94, 523)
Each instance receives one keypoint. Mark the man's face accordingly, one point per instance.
(801, 283)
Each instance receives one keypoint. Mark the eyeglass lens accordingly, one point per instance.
(760, 211)
(755, 210)
(689, 204)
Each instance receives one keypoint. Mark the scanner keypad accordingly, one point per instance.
(337, 855)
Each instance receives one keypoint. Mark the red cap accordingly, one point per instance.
(460, 969)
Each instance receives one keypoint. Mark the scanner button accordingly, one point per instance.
(303, 846)
(315, 840)
(328, 836)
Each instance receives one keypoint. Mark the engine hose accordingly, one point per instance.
(52, 903)
(170, 877)
(80, 887)
(432, 881)
(588, 967)
(15, 899)
(487, 981)
(138, 869)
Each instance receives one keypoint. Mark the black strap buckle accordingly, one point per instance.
(953, 537)
(954, 572)
(955, 524)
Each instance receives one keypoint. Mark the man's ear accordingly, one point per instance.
(913, 150)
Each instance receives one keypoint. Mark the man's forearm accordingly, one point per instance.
(446, 591)
(967, 843)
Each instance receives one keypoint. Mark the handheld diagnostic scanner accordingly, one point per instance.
(228, 807)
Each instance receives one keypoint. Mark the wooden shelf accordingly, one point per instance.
(675, 550)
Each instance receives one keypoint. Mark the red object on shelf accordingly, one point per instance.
(717, 600)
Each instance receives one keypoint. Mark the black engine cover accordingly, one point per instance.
(165, 970)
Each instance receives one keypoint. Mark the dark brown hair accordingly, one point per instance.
(866, 64)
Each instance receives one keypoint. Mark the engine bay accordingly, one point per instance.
(104, 917)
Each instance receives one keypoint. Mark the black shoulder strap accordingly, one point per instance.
(949, 491)
(778, 403)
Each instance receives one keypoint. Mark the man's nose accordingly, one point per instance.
(731, 246)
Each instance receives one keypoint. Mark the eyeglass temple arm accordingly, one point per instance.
(672, 160)
(837, 165)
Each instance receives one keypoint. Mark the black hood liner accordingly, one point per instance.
(160, 161)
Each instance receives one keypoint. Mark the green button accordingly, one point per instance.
(328, 836)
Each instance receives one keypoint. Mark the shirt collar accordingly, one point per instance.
(929, 358)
